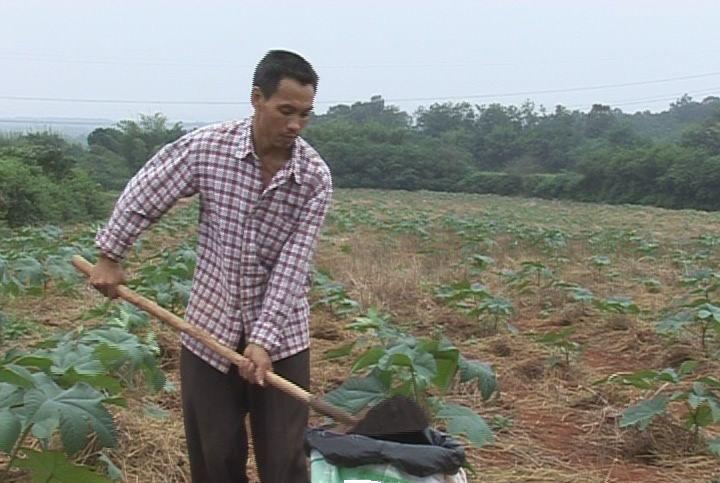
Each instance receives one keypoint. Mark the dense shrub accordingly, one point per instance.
(493, 182)
(38, 190)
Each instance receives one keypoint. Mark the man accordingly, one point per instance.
(264, 193)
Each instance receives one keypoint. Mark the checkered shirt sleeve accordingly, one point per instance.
(289, 275)
(167, 177)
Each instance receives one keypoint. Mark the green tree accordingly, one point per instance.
(705, 135)
(498, 136)
(599, 121)
(441, 118)
(137, 141)
(553, 138)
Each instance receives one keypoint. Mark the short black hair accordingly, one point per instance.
(280, 64)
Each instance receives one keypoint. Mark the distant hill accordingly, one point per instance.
(72, 128)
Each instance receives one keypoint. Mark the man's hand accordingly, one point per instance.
(258, 363)
(106, 275)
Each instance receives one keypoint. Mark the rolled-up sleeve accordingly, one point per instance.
(289, 275)
(168, 176)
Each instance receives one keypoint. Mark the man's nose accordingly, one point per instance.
(294, 125)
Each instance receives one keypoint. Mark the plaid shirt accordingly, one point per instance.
(255, 245)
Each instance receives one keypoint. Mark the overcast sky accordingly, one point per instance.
(632, 54)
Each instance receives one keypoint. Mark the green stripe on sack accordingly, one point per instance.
(364, 474)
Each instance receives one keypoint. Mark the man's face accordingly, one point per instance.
(281, 118)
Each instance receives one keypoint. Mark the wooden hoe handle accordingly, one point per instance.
(125, 293)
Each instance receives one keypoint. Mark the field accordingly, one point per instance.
(556, 297)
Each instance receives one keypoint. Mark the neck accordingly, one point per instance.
(263, 148)
(271, 157)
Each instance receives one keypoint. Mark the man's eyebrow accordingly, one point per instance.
(293, 108)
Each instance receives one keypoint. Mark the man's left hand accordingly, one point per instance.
(260, 363)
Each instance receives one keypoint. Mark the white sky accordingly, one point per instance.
(170, 51)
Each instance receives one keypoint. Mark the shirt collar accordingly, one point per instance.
(295, 165)
(245, 142)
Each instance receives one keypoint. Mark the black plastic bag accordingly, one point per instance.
(442, 454)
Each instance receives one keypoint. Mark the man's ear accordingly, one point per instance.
(256, 97)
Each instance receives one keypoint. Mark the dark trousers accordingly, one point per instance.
(214, 409)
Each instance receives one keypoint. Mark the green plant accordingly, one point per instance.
(529, 278)
(648, 248)
(391, 362)
(599, 262)
(123, 315)
(560, 341)
(33, 258)
(652, 285)
(480, 263)
(64, 386)
(499, 310)
(518, 281)
(554, 240)
(12, 328)
(501, 423)
(333, 295)
(706, 316)
(702, 283)
(576, 293)
(581, 294)
(617, 304)
(701, 311)
(701, 400)
(476, 301)
(168, 281)
(537, 270)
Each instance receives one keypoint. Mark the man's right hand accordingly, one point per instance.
(106, 276)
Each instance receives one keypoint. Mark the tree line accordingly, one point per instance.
(669, 159)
